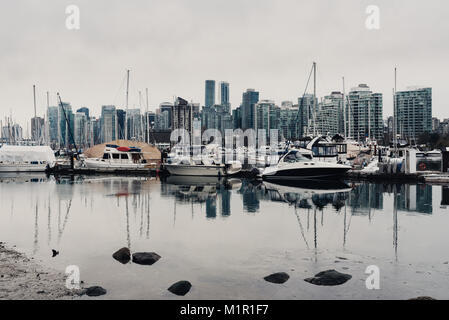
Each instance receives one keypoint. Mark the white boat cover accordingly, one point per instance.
(27, 154)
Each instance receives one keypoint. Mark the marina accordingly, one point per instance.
(233, 158)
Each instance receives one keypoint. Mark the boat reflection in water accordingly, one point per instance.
(217, 228)
(299, 193)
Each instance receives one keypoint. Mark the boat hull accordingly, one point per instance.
(23, 167)
(195, 170)
(107, 166)
(306, 173)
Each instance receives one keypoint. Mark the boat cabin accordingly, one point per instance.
(123, 155)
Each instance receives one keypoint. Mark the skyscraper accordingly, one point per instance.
(85, 111)
(182, 116)
(249, 100)
(330, 116)
(53, 128)
(306, 114)
(108, 123)
(135, 124)
(167, 107)
(267, 116)
(224, 95)
(365, 113)
(288, 124)
(413, 113)
(210, 93)
(80, 129)
(66, 124)
(37, 128)
(121, 118)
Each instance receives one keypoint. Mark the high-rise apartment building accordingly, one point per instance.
(224, 95)
(365, 110)
(108, 123)
(413, 112)
(248, 108)
(210, 93)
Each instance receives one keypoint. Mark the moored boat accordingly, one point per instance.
(26, 158)
(299, 164)
(116, 158)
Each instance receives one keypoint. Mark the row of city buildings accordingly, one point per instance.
(357, 114)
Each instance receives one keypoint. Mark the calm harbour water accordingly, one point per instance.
(225, 236)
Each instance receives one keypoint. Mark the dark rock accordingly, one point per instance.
(95, 291)
(278, 278)
(123, 255)
(329, 278)
(145, 258)
(423, 298)
(180, 288)
(342, 258)
(54, 253)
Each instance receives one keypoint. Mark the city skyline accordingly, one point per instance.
(173, 56)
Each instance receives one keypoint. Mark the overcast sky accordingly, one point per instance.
(173, 46)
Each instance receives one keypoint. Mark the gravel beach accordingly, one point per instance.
(23, 278)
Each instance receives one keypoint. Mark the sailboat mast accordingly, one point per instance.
(395, 114)
(34, 133)
(127, 96)
(344, 109)
(147, 117)
(34, 99)
(314, 98)
(369, 118)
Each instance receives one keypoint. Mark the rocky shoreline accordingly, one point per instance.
(22, 278)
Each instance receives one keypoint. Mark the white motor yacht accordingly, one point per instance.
(117, 158)
(299, 164)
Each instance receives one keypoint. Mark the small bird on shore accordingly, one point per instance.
(55, 253)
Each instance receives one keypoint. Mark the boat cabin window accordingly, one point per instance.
(135, 157)
(124, 156)
(106, 156)
(115, 156)
(295, 156)
(342, 148)
(324, 150)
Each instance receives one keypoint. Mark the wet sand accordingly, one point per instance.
(24, 278)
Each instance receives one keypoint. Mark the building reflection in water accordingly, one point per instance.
(308, 200)
(202, 190)
(444, 196)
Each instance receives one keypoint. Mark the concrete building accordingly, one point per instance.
(288, 124)
(80, 129)
(249, 100)
(182, 117)
(66, 124)
(85, 111)
(135, 125)
(209, 93)
(330, 116)
(413, 113)
(108, 124)
(305, 116)
(224, 95)
(365, 113)
(267, 116)
(435, 124)
(52, 122)
(168, 107)
(37, 129)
